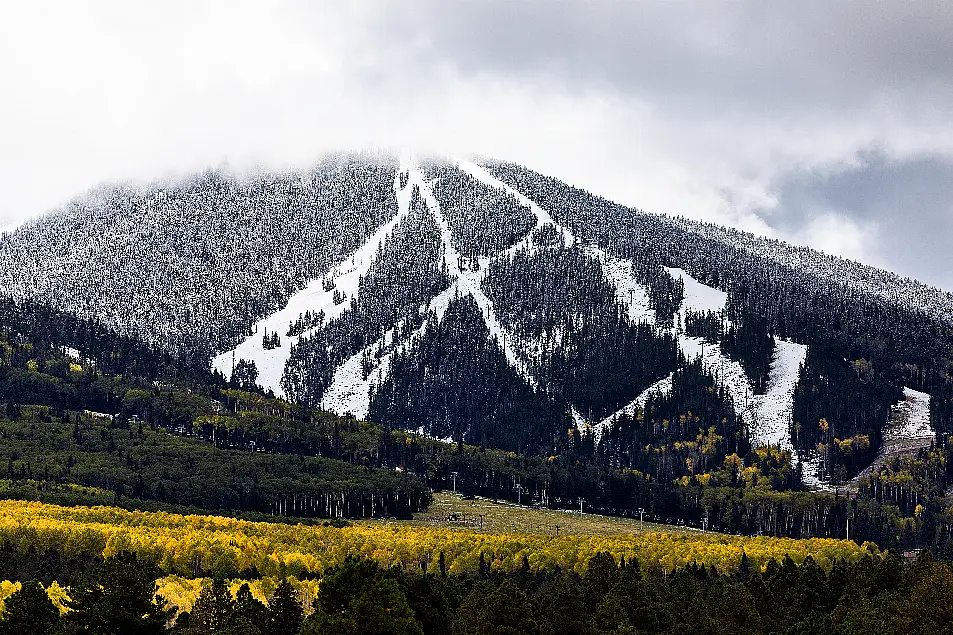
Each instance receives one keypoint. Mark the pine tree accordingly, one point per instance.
(121, 599)
(356, 597)
(285, 613)
(214, 609)
(29, 611)
(249, 609)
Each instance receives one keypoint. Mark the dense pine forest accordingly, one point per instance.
(882, 595)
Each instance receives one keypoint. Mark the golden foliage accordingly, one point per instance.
(226, 546)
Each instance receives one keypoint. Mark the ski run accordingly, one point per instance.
(768, 416)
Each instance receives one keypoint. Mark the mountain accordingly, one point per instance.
(478, 301)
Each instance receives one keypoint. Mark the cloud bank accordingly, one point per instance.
(824, 123)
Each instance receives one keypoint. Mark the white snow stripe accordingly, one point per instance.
(469, 282)
(774, 410)
(346, 276)
(661, 387)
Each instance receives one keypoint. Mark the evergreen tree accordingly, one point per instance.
(214, 609)
(357, 597)
(29, 610)
(284, 611)
(249, 610)
(493, 609)
(120, 599)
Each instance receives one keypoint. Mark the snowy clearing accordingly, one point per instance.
(699, 297)
(908, 431)
(774, 410)
(727, 373)
(633, 295)
(910, 418)
(660, 388)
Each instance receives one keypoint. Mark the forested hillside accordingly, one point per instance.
(190, 265)
(376, 324)
(869, 333)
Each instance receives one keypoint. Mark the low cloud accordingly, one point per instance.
(817, 123)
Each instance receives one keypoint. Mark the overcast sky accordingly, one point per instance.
(820, 122)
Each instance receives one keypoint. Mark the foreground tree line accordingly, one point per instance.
(872, 595)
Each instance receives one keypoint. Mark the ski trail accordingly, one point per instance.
(698, 296)
(727, 373)
(910, 418)
(581, 423)
(350, 389)
(661, 387)
(468, 282)
(775, 409)
(633, 296)
(346, 276)
(908, 431)
(542, 216)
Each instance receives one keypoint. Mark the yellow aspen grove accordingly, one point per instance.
(197, 546)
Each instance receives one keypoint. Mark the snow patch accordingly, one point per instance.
(908, 431)
(910, 418)
(350, 389)
(660, 388)
(774, 410)
(699, 297)
(811, 467)
(727, 373)
(633, 296)
(581, 423)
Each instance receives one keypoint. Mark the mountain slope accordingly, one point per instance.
(485, 303)
(189, 265)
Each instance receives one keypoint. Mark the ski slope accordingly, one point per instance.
(346, 276)
(774, 410)
(350, 390)
(910, 418)
(660, 388)
(698, 297)
(908, 431)
(542, 216)
(766, 416)
(728, 374)
(468, 282)
(634, 296)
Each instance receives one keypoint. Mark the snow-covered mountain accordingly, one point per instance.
(477, 300)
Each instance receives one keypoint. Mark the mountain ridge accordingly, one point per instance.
(318, 284)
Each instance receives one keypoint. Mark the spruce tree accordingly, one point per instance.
(29, 611)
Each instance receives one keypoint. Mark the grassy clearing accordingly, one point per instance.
(453, 512)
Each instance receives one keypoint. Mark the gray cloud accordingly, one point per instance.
(744, 56)
(909, 202)
(809, 120)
